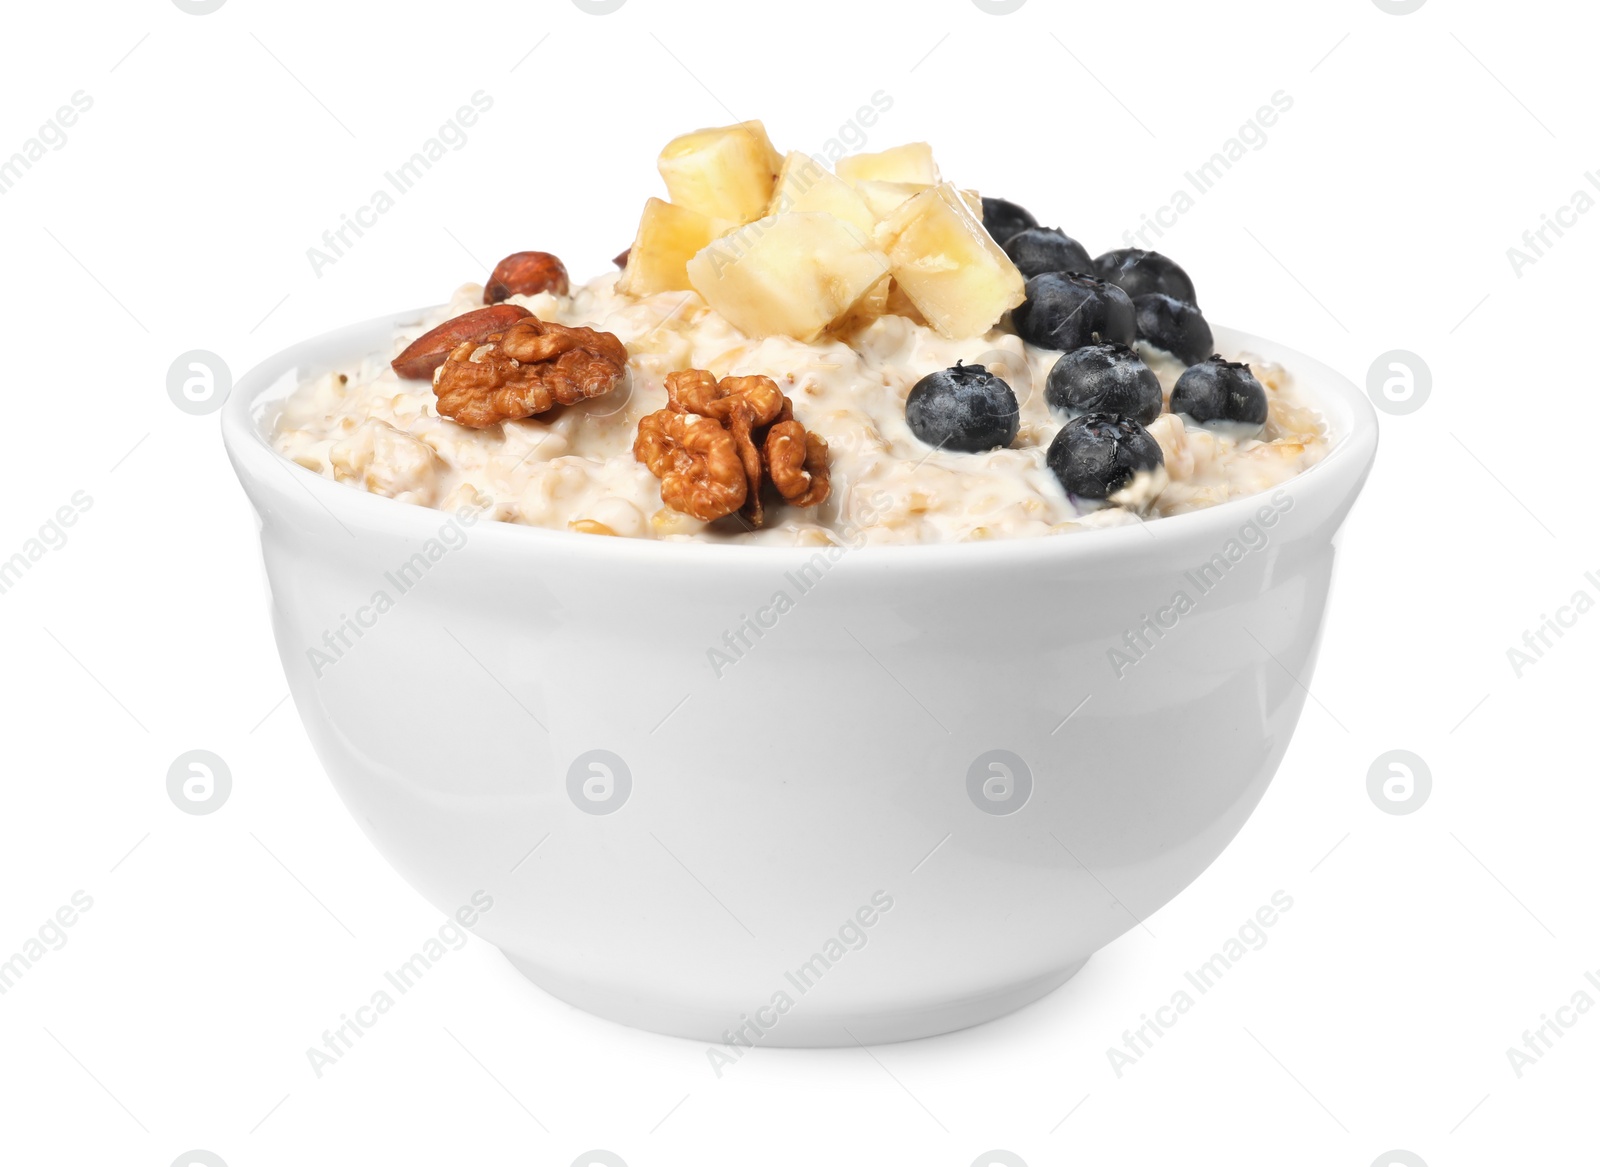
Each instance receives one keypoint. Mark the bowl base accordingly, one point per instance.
(799, 1028)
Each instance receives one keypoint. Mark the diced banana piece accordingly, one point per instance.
(883, 197)
(912, 162)
(789, 275)
(667, 240)
(805, 184)
(724, 173)
(947, 265)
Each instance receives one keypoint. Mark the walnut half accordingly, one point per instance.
(529, 368)
(697, 461)
(717, 442)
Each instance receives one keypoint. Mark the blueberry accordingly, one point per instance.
(1220, 390)
(1139, 273)
(1040, 249)
(1096, 455)
(1104, 378)
(965, 408)
(1004, 219)
(1173, 326)
(1067, 311)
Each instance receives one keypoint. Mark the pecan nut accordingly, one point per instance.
(531, 367)
(428, 351)
(526, 273)
(766, 440)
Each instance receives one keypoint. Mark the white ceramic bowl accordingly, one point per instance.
(805, 849)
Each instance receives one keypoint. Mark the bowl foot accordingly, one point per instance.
(800, 1027)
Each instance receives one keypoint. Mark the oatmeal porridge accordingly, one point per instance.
(790, 355)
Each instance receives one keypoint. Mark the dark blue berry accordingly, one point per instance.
(1173, 326)
(966, 408)
(1004, 219)
(1139, 273)
(1220, 390)
(1036, 250)
(1068, 311)
(1104, 378)
(1096, 455)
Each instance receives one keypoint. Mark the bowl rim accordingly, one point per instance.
(1337, 478)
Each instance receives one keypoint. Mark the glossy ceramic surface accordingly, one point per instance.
(915, 792)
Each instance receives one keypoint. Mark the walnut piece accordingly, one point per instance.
(756, 425)
(797, 462)
(529, 368)
(697, 461)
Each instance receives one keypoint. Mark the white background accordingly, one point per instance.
(1377, 216)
